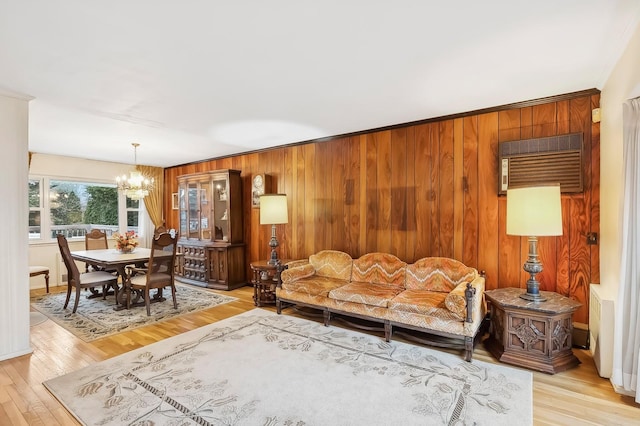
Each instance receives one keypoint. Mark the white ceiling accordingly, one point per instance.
(197, 79)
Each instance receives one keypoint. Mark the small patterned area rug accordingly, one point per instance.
(260, 368)
(96, 318)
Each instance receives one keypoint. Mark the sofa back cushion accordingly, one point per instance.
(332, 264)
(440, 274)
(379, 268)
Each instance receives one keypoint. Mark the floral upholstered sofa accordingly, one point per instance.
(435, 295)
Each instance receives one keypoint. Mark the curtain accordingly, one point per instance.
(153, 201)
(626, 348)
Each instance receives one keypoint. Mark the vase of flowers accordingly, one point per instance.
(127, 242)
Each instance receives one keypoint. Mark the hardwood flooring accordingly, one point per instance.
(575, 397)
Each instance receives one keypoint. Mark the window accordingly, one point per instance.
(72, 208)
(35, 207)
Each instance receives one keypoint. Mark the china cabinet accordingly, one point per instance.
(211, 243)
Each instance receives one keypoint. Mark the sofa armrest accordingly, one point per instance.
(295, 273)
(456, 300)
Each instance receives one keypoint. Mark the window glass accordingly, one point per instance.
(77, 207)
(35, 208)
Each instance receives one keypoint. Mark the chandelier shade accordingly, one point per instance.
(135, 186)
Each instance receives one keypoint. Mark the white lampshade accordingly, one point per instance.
(273, 209)
(534, 211)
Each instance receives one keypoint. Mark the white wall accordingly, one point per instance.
(623, 84)
(14, 271)
(45, 253)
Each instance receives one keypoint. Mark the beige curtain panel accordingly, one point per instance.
(153, 201)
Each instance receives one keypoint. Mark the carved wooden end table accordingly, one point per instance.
(266, 278)
(534, 335)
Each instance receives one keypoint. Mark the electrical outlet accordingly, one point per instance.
(592, 238)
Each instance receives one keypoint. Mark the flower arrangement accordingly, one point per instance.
(126, 242)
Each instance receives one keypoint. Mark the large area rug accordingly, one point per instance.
(96, 318)
(260, 368)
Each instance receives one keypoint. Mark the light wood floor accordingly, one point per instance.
(575, 397)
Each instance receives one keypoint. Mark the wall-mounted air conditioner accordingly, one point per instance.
(554, 159)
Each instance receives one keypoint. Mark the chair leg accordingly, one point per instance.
(66, 302)
(46, 281)
(147, 301)
(173, 293)
(75, 305)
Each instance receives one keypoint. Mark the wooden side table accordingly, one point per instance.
(534, 335)
(266, 278)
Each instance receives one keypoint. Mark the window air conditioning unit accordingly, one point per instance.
(554, 159)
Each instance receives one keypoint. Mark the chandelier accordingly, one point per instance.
(135, 186)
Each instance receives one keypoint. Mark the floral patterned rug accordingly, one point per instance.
(260, 368)
(96, 318)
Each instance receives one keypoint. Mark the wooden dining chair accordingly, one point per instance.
(84, 280)
(96, 239)
(158, 274)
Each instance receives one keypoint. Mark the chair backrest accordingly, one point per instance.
(73, 274)
(162, 243)
(159, 230)
(96, 240)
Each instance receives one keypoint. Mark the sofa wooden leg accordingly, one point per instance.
(387, 331)
(278, 306)
(468, 348)
(327, 317)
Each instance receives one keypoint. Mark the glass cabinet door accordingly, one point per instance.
(205, 211)
(220, 208)
(182, 197)
(193, 198)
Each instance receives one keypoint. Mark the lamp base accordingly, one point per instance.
(533, 267)
(273, 243)
(533, 297)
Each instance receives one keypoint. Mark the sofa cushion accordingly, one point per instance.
(438, 274)
(297, 272)
(366, 293)
(423, 302)
(314, 286)
(332, 264)
(379, 268)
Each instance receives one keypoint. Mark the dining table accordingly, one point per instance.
(118, 261)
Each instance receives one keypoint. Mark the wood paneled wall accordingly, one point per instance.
(427, 189)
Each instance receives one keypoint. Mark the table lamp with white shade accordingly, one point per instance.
(534, 211)
(273, 211)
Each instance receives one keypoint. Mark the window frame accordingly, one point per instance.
(45, 207)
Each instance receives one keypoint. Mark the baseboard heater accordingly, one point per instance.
(601, 318)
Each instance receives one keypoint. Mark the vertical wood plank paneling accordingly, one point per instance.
(309, 157)
(383, 208)
(595, 193)
(423, 191)
(434, 194)
(398, 218)
(446, 188)
(364, 201)
(286, 251)
(338, 214)
(411, 233)
(323, 217)
(488, 197)
(509, 264)
(459, 187)
(470, 162)
(371, 194)
(579, 253)
(352, 197)
(299, 212)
